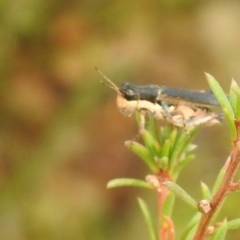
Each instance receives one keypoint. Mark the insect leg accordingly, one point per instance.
(170, 114)
(166, 110)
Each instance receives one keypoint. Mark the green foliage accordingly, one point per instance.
(165, 149)
(128, 182)
(148, 219)
(206, 191)
(191, 227)
(233, 224)
(224, 102)
(219, 179)
(168, 205)
(182, 194)
(234, 98)
(144, 153)
(220, 95)
(221, 231)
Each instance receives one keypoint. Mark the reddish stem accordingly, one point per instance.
(224, 189)
(164, 230)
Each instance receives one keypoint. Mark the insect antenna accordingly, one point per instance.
(110, 83)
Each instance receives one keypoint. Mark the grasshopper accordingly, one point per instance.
(156, 93)
(179, 107)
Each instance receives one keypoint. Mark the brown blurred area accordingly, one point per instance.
(61, 134)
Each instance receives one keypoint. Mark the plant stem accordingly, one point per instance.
(223, 190)
(161, 196)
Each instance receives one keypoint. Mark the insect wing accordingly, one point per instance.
(184, 96)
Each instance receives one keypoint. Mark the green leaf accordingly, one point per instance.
(151, 143)
(151, 126)
(231, 124)
(148, 219)
(221, 231)
(191, 147)
(206, 191)
(219, 94)
(223, 101)
(219, 180)
(182, 144)
(183, 163)
(173, 136)
(164, 134)
(181, 193)
(233, 224)
(168, 205)
(177, 148)
(166, 148)
(128, 182)
(234, 98)
(163, 162)
(143, 153)
(178, 144)
(191, 227)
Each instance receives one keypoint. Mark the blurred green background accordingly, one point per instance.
(62, 136)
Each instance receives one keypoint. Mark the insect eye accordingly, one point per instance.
(129, 92)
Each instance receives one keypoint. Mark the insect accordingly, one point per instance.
(156, 93)
(179, 107)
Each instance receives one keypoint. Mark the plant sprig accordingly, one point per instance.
(166, 151)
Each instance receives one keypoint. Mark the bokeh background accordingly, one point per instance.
(61, 134)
